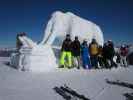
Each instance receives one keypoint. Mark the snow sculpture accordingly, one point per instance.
(34, 57)
(61, 24)
(40, 57)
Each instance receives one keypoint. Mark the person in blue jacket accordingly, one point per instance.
(85, 55)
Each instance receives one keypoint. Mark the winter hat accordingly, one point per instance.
(93, 40)
(67, 35)
(76, 37)
(85, 40)
(109, 41)
(123, 46)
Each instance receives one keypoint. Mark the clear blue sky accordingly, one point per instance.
(114, 16)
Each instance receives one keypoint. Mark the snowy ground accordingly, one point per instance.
(15, 85)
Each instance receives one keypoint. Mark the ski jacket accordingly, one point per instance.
(108, 51)
(93, 48)
(67, 45)
(111, 50)
(76, 48)
(123, 51)
(84, 50)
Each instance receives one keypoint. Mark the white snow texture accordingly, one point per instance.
(15, 85)
(61, 24)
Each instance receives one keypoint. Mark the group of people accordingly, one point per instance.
(93, 55)
(88, 56)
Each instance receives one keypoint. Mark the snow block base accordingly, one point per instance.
(39, 59)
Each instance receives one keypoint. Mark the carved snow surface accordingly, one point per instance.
(61, 24)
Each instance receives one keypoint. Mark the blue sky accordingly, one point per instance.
(115, 17)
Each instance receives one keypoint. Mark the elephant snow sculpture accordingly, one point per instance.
(61, 24)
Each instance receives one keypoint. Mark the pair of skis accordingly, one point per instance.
(69, 94)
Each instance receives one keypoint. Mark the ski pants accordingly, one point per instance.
(100, 61)
(123, 61)
(76, 61)
(105, 61)
(86, 62)
(109, 63)
(66, 58)
(94, 61)
(113, 62)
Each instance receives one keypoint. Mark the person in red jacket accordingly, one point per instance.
(123, 55)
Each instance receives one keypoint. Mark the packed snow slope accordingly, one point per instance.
(61, 24)
(15, 85)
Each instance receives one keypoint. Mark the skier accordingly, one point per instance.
(100, 56)
(117, 54)
(105, 55)
(66, 53)
(76, 52)
(109, 53)
(85, 55)
(93, 48)
(123, 55)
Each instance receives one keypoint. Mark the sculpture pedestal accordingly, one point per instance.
(40, 58)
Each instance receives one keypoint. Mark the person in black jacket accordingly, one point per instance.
(100, 56)
(66, 53)
(108, 53)
(105, 55)
(111, 53)
(76, 52)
